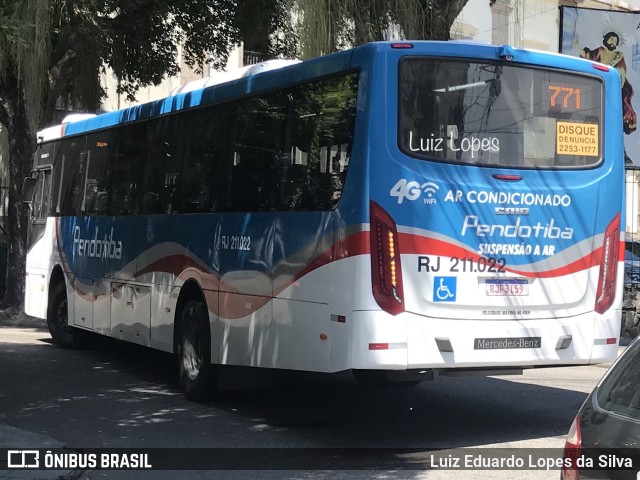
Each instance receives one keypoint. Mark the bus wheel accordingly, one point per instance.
(193, 351)
(62, 334)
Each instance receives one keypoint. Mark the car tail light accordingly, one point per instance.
(608, 266)
(386, 271)
(571, 452)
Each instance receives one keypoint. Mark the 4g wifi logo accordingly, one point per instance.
(415, 190)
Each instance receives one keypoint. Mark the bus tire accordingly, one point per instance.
(63, 335)
(193, 352)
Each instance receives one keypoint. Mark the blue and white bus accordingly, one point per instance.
(398, 207)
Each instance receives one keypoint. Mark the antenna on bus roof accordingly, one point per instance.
(222, 77)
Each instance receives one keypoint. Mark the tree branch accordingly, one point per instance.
(58, 71)
(59, 78)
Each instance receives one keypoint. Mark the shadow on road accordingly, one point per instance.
(122, 395)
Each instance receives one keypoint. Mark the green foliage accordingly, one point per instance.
(51, 54)
(141, 40)
(330, 25)
(59, 47)
(24, 48)
(265, 27)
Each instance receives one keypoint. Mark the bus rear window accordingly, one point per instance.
(498, 115)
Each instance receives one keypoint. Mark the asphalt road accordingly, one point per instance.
(120, 396)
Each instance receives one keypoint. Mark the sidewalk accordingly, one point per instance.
(12, 317)
(17, 438)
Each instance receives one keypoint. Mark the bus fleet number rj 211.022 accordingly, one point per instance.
(463, 264)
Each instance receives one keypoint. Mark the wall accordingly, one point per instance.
(523, 23)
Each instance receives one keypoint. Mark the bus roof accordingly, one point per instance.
(256, 78)
(223, 77)
(273, 74)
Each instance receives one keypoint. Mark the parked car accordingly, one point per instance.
(632, 262)
(604, 439)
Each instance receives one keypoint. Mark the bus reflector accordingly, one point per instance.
(609, 266)
(378, 346)
(600, 67)
(386, 270)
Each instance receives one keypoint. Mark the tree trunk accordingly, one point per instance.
(428, 19)
(20, 160)
(254, 18)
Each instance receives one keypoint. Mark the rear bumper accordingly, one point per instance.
(410, 341)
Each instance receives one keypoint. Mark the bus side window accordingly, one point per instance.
(171, 193)
(161, 180)
(70, 159)
(42, 196)
(45, 156)
(321, 140)
(96, 175)
(259, 142)
(208, 155)
(125, 194)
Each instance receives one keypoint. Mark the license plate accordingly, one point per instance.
(507, 288)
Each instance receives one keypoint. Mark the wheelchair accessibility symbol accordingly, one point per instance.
(444, 289)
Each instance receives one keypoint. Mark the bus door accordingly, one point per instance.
(40, 239)
(41, 202)
(74, 231)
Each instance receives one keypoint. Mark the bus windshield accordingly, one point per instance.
(490, 114)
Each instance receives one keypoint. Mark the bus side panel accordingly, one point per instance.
(245, 264)
(165, 263)
(302, 331)
(244, 331)
(347, 286)
(102, 308)
(164, 299)
(81, 309)
(101, 251)
(302, 257)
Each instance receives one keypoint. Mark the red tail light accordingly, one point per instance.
(386, 271)
(571, 452)
(402, 45)
(609, 266)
